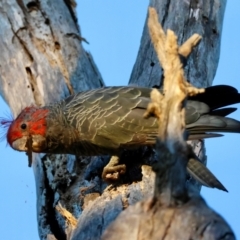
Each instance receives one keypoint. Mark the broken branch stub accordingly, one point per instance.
(169, 108)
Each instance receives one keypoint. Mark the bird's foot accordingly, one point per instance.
(112, 170)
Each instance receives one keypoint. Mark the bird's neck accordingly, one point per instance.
(63, 136)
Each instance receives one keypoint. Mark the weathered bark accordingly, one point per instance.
(185, 19)
(42, 57)
(151, 220)
(43, 61)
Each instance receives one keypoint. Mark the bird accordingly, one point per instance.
(109, 120)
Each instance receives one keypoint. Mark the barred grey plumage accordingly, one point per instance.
(109, 120)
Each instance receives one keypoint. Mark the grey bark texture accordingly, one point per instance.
(185, 18)
(151, 220)
(42, 61)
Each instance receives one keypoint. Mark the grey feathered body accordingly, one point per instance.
(107, 120)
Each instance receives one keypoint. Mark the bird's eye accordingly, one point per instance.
(23, 126)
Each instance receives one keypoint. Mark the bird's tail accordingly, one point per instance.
(217, 98)
(210, 125)
(203, 174)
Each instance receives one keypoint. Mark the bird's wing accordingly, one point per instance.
(112, 117)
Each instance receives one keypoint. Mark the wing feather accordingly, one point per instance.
(113, 116)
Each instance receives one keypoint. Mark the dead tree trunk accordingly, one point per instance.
(42, 57)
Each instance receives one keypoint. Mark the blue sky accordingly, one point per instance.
(114, 29)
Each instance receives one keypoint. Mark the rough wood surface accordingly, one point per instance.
(185, 18)
(145, 221)
(42, 60)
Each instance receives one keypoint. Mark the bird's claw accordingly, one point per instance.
(112, 173)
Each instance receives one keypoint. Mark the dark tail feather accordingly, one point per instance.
(218, 96)
(223, 111)
(209, 126)
(196, 136)
(204, 175)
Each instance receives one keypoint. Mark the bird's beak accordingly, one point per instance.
(36, 143)
(29, 144)
(20, 144)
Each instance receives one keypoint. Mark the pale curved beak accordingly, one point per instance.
(20, 144)
(38, 144)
